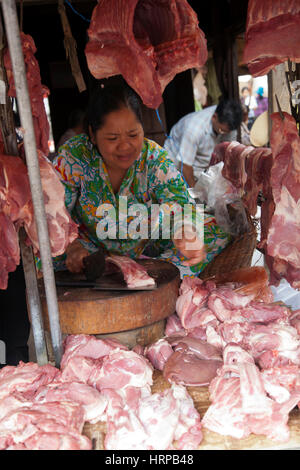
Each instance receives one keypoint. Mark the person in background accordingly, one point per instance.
(249, 100)
(245, 133)
(262, 102)
(75, 126)
(193, 138)
(113, 159)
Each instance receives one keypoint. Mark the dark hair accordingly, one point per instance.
(245, 88)
(112, 98)
(230, 112)
(76, 117)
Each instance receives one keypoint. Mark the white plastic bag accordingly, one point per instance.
(222, 199)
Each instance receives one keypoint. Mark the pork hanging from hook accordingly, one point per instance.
(147, 42)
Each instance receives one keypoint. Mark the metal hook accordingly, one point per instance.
(279, 108)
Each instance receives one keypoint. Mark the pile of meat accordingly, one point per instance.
(146, 42)
(272, 34)
(37, 91)
(247, 348)
(43, 408)
(275, 173)
(16, 210)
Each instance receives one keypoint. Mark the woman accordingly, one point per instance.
(112, 166)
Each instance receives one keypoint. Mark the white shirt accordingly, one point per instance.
(192, 140)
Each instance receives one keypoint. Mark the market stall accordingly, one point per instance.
(130, 354)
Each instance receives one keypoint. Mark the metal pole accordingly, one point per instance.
(18, 65)
(32, 295)
(33, 300)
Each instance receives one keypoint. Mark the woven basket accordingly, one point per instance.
(238, 254)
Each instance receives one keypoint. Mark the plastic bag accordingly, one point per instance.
(221, 199)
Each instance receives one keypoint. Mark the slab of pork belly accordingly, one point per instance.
(135, 275)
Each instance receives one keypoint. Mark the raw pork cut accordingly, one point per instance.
(62, 229)
(146, 42)
(122, 369)
(28, 425)
(37, 91)
(240, 404)
(16, 210)
(161, 421)
(187, 369)
(134, 274)
(25, 378)
(283, 241)
(93, 402)
(274, 172)
(158, 353)
(272, 34)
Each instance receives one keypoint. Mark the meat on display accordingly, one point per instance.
(16, 210)
(115, 387)
(37, 91)
(275, 173)
(272, 34)
(146, 42)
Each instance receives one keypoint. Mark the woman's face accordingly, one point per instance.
(120, 139)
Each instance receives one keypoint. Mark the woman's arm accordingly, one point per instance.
(170, 191)
(70, 172)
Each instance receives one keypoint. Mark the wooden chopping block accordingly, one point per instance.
(88, 311)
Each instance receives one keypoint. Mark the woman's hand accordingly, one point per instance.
(75, 254)
(191, 247)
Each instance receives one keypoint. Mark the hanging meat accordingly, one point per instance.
(275, 172)
(37, 91)
(16, 210)
(283, 239)
(272, 34)
(147, 42)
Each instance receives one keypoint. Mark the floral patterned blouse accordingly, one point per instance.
(152, 180)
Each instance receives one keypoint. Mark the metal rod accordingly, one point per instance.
(279, 107)
(19, 71)
(33, 301)
(32, 295)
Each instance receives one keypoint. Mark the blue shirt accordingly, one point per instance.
(192, 140)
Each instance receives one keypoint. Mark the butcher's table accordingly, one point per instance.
(132, 317)
(211, 440)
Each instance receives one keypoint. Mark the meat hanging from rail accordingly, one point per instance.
(272, 34)
(146, 42)
(16, 210)
(274, 172)
(37, 91)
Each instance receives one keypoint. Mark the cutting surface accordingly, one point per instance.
(89, 311)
